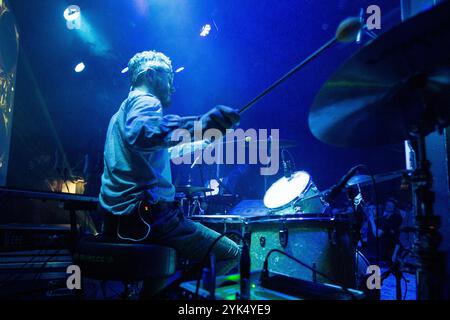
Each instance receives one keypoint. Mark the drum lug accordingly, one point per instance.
(284, 236)
(262, 242)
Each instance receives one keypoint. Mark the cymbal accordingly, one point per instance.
(365, 180)
(395, 83)
(188, 189)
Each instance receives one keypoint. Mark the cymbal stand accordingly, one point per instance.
(430, 266)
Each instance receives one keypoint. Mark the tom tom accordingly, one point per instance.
(297, 194)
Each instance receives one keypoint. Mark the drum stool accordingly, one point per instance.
(109, 259)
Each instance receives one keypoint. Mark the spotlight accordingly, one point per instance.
(72, 13)
(206, 29)
(179, 70)
(80, 67)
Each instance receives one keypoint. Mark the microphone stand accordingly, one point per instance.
(245, 269)
(395, 269)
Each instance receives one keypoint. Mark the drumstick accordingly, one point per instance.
(346, 32)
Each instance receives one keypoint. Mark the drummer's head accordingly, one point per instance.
(151, 72)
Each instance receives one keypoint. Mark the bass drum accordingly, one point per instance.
(296, 194)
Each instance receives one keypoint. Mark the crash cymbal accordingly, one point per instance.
(365, 180)
(396, 83)
(188, 189)
(9, 39)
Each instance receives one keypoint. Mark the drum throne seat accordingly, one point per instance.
(110, 259)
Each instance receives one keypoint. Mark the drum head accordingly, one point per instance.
(286, 190)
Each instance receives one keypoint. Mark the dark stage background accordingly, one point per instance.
(61, 117)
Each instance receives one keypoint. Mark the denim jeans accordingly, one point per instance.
(169, 227)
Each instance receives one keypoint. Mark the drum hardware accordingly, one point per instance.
(190, 198)
(366, 180)
(262, 241)
(190, 190)
(265, 271)
(287, 166)
(284, 236)
(396, 88)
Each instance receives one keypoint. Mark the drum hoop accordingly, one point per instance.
(218, 218)
(297, 217)
(298, 198)
(319, 217)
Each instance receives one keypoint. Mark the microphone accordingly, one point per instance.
(335, 190)
(286, 167)
(245, 272)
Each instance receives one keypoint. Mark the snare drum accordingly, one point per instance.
(297, 194)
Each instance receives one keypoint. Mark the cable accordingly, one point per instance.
(266, 263)
(131, 239)
(205, 258)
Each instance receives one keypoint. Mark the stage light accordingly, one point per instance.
(72, 13)
(206, 29)
(80, 67)
(179, 70)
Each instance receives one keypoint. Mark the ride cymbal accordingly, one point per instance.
(395, 84)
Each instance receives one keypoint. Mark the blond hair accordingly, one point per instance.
(143, 61)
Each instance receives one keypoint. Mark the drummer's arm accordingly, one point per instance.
(183, 149)
(147, 129)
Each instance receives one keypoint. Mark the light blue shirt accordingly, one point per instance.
(136, 159)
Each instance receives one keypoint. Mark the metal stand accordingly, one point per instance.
(430, 268)
(395, 269)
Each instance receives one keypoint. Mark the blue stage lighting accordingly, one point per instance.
(72, 13)
(80, 67)
(206, 29)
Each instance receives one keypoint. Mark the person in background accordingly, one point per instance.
(387, 227)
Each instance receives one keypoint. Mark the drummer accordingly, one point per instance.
(137, 194)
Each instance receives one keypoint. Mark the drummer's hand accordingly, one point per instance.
(221, 118)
